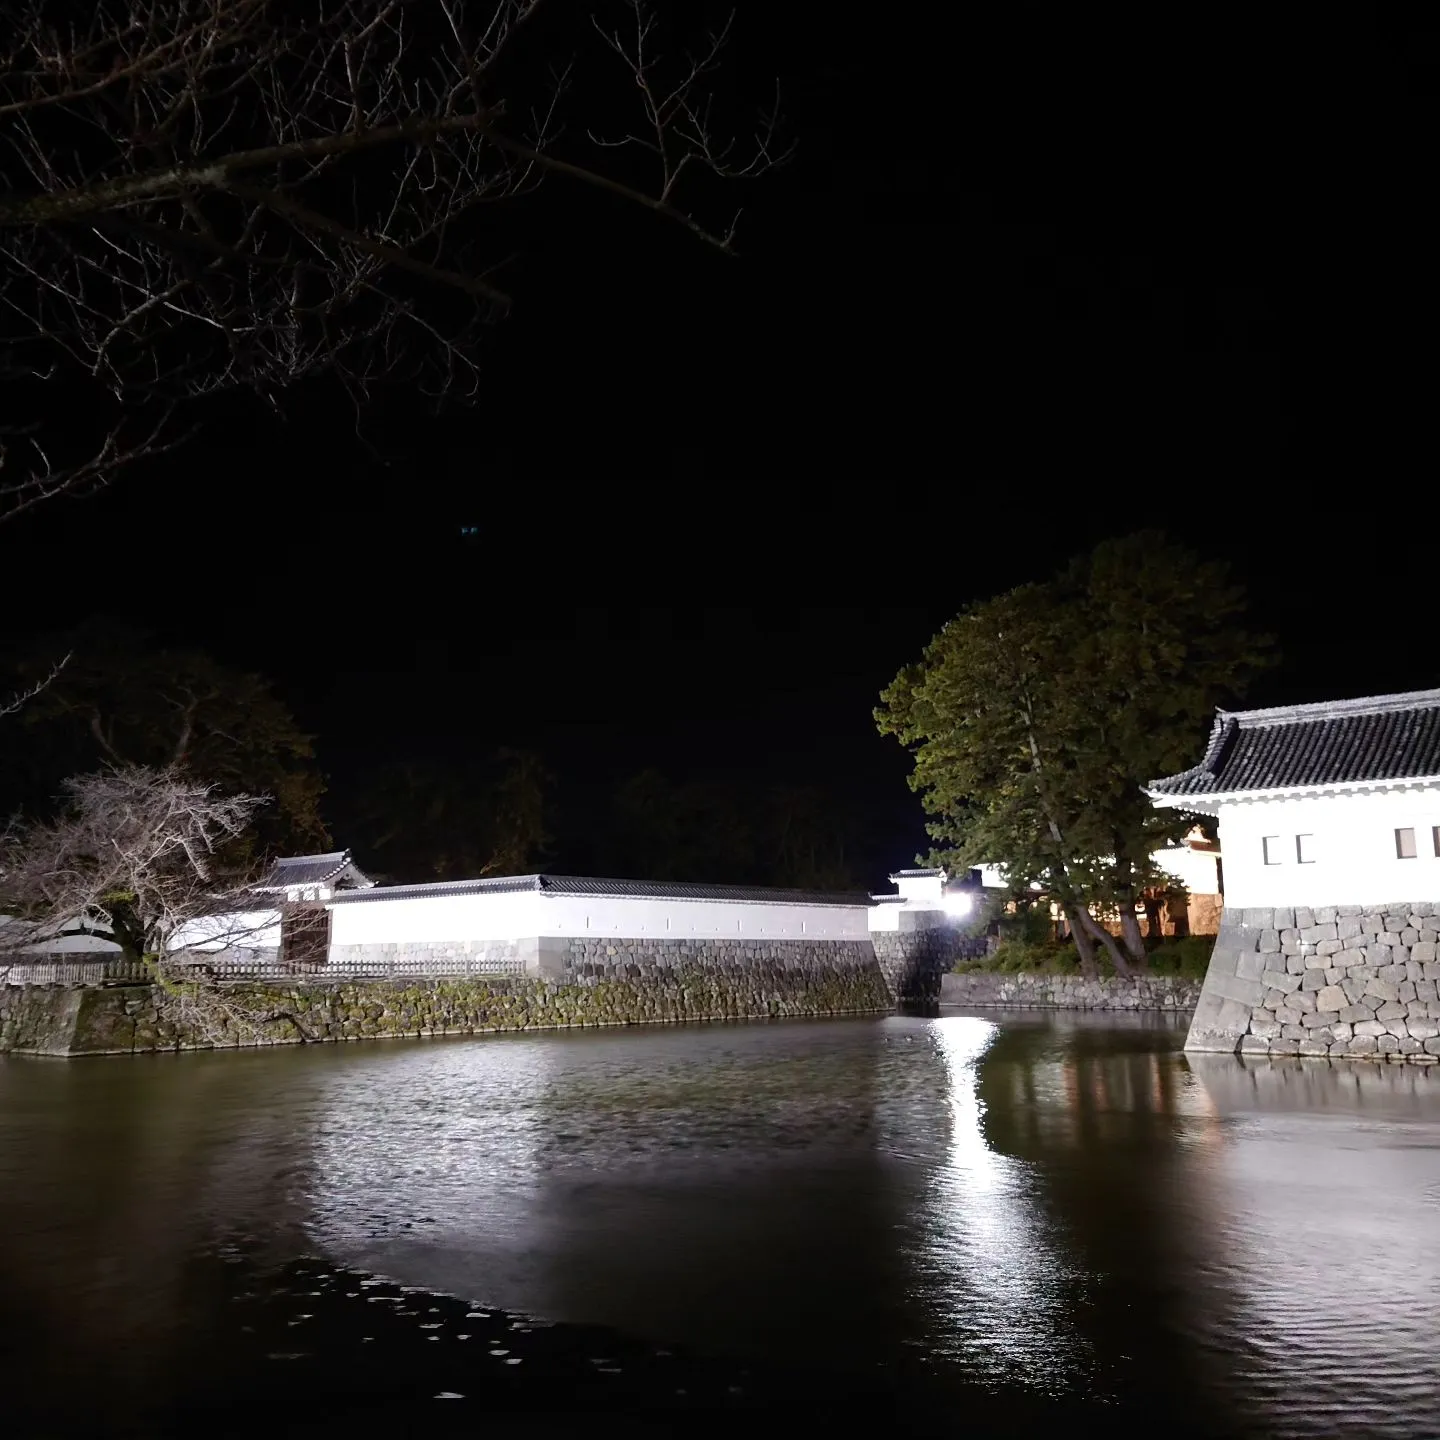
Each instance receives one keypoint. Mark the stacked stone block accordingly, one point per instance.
(1070, 992)
(914, 960)
(600, 983)
(589, 959)
(1339, 981)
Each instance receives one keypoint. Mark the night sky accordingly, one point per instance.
(1027, 284)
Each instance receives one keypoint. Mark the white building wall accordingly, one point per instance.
(640, 917)
(242, 930)
(1347, 853)
(884, 919)
(924, 889)
(1196, 870)
(523, 914)
(423, 919)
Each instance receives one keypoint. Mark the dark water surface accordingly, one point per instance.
(981, 1223)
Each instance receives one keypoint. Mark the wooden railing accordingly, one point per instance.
(396, 969)
(92, 969)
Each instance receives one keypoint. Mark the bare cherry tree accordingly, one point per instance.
(199, 196)
(133, 855)
(141, 858)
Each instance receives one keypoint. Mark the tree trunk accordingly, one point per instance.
(1130, 936)
(1111, 944)
(1130, 932)
(1179, 907)
(128, 932)
(1089, 968)
(1154, 915)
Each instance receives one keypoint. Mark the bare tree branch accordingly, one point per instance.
(83, 201)
(390, 254)
(39, 480)
(201, 196)
(21, 698)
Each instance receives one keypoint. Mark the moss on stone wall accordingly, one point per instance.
(130, 1019)
(39, 1019)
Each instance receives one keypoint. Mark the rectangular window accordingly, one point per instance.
(1405, 843)
(1435, 837)
(1304, 849)
(1271, 846)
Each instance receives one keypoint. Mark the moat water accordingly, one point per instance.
(981, 1223)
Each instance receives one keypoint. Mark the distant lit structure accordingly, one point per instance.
(1194, 864)
(921, 896)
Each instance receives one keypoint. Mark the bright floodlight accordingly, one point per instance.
(958, 902)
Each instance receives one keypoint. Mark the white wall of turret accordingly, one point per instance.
(1353, 847)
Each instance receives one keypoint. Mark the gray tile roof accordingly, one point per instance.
(916, 874)
(1380, 737)
(585, 885)
(308, 870)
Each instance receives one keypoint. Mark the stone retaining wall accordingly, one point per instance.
(42, 1019)
(1341, 981)
(613, 984)
(1069, 992)
(915, 959)
(588, 959)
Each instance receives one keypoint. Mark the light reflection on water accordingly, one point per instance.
(988, 1265)
(1026, 1205)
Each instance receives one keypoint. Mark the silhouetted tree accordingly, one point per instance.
(809, 840)
(696, 830)
(729, 831)
(123, 699)
(431, 819)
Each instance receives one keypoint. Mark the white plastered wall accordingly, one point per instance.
(1349, 848)
(523, 914)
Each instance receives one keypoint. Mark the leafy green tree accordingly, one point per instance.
(1036, 717)
(122, 699)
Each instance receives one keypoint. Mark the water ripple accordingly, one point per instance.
(1058, 1213)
